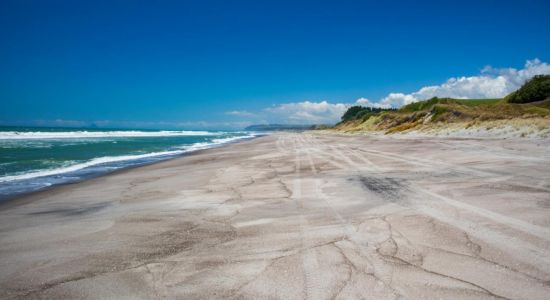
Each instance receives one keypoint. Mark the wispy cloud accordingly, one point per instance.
(240, 113)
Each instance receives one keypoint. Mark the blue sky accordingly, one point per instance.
(218, 64)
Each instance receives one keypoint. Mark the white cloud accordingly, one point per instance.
(491, 83)
(308, 112)
(367, 103)
(398, 99)
(239, 113)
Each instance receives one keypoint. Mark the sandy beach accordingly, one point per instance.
(294, 216)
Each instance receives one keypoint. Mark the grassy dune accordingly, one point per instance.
(447, 114)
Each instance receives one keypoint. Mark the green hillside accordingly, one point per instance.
(531, 101)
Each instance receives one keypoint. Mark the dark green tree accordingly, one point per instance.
(360, 112)
(535, 89)
(351, 113)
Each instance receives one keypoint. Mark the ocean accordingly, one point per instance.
(34, 158)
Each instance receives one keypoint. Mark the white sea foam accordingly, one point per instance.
(231, 139)
(111, 159)
(23, 135)
(80, 166)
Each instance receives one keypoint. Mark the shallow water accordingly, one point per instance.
(34, 158)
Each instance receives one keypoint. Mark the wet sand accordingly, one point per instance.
(294, 216)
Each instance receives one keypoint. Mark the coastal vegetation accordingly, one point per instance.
(536, 89)
(362, 113)
(529, 105)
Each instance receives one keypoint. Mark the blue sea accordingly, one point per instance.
(34, 158)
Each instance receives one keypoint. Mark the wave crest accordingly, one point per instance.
(113, 159)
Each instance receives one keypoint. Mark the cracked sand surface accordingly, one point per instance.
(294, 216)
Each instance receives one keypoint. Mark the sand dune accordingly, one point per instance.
(295, 216)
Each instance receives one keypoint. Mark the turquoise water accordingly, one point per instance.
(34, 158)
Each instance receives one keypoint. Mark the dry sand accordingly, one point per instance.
(293, 216)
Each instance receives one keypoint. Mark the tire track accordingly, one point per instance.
(310, 264)
(430, 203)
(381, 271)
(540, 232)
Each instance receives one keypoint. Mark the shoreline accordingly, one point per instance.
(288, 214)
(9, 198)
(7, 202)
